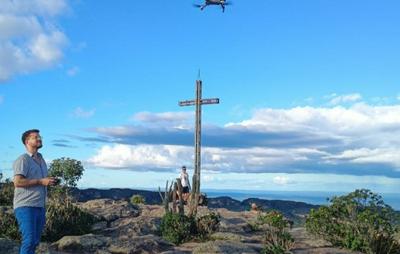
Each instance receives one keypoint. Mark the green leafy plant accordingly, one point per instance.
(207, 224)
(274, 219)
(68, 170)
(6, 192)
(137, 199)
(177, 228)
(65, 218)
(277, 241)
(275, 226)
(8, 225)
(359, 221)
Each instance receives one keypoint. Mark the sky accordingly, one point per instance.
(309, 91)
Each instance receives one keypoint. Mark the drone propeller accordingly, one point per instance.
(228, 3)
(197, 5)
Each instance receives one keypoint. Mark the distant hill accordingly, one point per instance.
(293, 210)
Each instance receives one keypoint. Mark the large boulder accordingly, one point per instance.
(81, 244)
(234, 225)
(110, 210)
(146, 244)
(127, 227)
(224, 247)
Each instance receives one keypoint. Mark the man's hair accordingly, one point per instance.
(183, 167)
(26, 134)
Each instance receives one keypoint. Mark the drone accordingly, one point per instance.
(222, 3)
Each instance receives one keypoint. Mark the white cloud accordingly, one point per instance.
(30, 39)
(281, 180)
(339, 99)
(170, 157)
(366, 155)
(142, 157)
(81, 113)
(73, 71)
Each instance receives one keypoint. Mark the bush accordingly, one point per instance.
(274, 219)
(177, 228)
(207, 224)
(64, 218)
(277, 241)
(6, 192)
(137, 199)
(359, 221)
(8, 225)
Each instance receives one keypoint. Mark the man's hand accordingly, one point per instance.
(48, 181)
(21, 181)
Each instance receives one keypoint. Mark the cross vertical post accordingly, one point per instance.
(198, 102)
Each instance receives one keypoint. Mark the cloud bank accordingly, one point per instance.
(360, 139)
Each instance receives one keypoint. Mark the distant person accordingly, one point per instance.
(185, 183)
(31, 181)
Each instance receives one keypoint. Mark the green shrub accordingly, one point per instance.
(277, 241)
(6, 192)
(137, 199)
(207, 224)
(177, 228)
(359, 221)
(64, 218)
(274, 219)
(8, 225)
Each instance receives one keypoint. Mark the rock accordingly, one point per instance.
(80, 244)
(152, 210)
(8, 246)
(223, 247)
(139, 244)
(127, 227)
(99, 226)
(226, 236)
(234, 225)
(109, 209)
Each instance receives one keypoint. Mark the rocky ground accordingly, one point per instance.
(128, 229)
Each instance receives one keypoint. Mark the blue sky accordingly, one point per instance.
(309, 90)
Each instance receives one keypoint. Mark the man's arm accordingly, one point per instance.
(21, 181)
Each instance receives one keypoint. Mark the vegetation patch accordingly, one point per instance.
(359, 221)
(137, 199)
(177, 228)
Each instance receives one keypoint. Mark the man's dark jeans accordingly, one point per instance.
(31, 221)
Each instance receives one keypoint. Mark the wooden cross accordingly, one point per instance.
(197, 143)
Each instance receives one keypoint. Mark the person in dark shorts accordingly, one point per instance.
(185, 183)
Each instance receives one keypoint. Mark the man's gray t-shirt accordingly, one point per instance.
(34, 196)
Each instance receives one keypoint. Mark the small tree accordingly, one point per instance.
(68, 170)
(358, 221)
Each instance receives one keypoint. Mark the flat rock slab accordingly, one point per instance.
(81, 244)
(228, 247)
(110, 210)
(147, 244)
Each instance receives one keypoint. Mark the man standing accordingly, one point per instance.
(185, 183)
(31, 181)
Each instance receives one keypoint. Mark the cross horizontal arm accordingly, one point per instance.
(202, 101)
